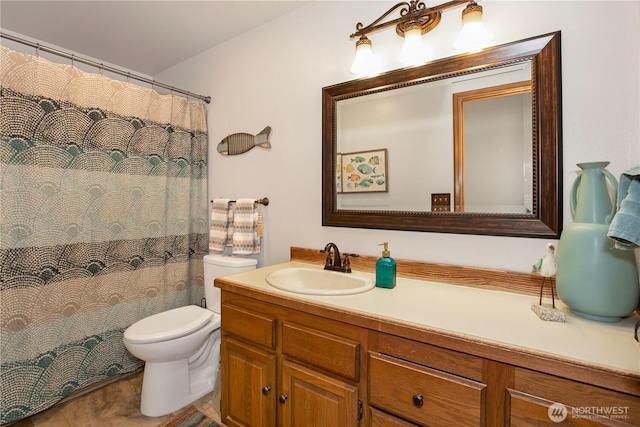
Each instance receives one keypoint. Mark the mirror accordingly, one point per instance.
(401, 151)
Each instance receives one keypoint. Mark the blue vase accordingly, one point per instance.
(594, 279)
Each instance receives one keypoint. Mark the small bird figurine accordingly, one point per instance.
(547, 267)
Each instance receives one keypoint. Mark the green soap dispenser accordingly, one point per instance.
(386, 269)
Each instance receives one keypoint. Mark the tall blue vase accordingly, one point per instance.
(596, 280)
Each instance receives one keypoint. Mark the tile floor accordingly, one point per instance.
(114, 405)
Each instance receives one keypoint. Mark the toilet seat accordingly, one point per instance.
(168, 325)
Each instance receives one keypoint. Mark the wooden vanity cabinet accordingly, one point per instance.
(412, 383)
(282, 367)
(286, 363)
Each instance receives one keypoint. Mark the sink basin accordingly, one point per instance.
(319, 282)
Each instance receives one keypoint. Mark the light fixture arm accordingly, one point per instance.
(411, 12)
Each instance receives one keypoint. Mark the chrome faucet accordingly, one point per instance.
(334, 261)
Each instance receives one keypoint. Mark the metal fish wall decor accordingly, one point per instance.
(239, 143)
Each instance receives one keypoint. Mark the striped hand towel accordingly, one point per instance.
(219, 227)
(245, 239)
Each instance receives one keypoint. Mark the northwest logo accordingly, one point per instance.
(557, 412)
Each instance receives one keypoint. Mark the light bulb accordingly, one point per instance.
(364, 63)
(413, 51)
(473, 35)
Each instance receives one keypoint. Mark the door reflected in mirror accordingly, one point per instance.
(493, 150)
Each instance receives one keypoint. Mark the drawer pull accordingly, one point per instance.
(266, 389)
(418, 400)
(283, 398)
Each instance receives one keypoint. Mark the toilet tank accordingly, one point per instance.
(218, 265)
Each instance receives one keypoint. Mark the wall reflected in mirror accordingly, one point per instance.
(450, 136)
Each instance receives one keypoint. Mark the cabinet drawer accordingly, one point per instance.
(382, 419)
(331, 352)
(255, 327)
(438, 358)
(424, 395)
(533, 393)
(531, 411)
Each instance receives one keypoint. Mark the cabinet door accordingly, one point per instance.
(248, 384)
(311, 399)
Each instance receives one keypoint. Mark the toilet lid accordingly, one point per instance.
(168, 325)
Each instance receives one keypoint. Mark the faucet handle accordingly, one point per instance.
(346, 263)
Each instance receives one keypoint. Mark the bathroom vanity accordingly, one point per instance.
(422, 354)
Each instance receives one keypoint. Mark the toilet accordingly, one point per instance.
(181, 347)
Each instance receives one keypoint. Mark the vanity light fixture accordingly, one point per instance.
(416, 20)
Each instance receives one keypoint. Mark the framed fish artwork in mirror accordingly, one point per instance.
(365, 171)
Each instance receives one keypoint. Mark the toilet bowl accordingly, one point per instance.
(181, 347)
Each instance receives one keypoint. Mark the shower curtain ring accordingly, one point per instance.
(38, 50)
(72, 56)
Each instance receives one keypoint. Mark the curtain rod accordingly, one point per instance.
(101, 66)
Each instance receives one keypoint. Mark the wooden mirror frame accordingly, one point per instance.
(546, 219)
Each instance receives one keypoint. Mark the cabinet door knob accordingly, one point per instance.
(418, 400)
(283, 398)
(266, 389)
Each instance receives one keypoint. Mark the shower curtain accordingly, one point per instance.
(103, 221)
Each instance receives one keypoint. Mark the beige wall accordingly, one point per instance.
(273, 76)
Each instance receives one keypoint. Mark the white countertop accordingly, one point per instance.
(494, 316)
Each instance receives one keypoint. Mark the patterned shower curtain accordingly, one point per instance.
(103, 221)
